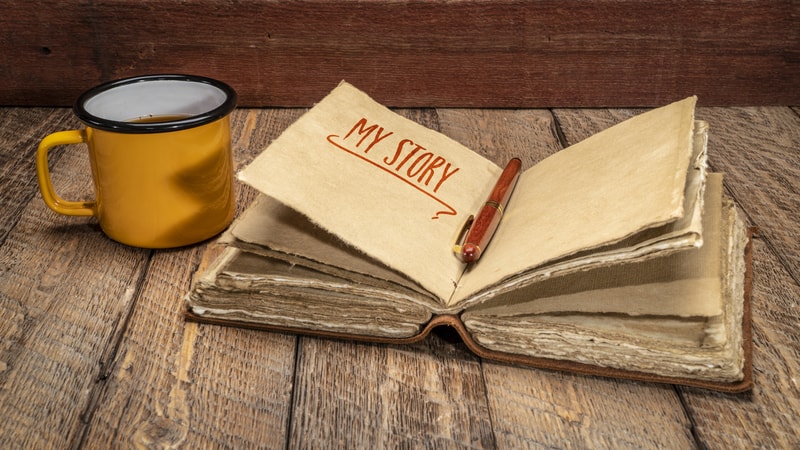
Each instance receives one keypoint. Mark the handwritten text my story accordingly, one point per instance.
(407, 160)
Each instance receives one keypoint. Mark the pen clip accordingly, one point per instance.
(462, 235)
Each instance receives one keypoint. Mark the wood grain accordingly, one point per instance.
(467, 53)
(541, 409)
(21, 129)
(65, 293)
(768, 416)
(373, 396)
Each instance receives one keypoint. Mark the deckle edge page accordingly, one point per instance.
(384, 184)
(612, 185)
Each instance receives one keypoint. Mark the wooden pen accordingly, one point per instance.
(488, 218)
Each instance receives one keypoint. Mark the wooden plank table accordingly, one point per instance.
(94, 351)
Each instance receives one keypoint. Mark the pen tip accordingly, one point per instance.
(470, 252)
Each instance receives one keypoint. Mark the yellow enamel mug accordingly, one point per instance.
(160, 154)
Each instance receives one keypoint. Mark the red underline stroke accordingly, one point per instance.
(450, 210)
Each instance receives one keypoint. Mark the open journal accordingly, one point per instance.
(618, 256)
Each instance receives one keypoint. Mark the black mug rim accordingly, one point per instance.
(196, 120)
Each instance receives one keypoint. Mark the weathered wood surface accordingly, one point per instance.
(94, 352)
(476, 53)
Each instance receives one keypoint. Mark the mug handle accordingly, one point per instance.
(56, 203)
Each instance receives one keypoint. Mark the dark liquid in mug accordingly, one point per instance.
(158, 119)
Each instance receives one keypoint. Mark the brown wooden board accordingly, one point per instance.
(66, 292)
(21, 129)
(468, 53)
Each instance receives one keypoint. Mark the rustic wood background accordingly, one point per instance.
(466, 53)
(94, 351)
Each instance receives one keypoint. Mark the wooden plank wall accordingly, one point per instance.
(510, 53)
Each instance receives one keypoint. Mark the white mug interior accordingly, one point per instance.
(183, 101)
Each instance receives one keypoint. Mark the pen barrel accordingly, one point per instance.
(488, 218)
(505, 184)
(481, 231)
